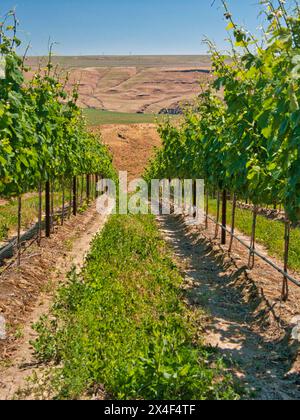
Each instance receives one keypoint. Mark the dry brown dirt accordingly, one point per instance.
(247, 322)
(137, 89)
(134, 84)
(26, 293)
(131, 145)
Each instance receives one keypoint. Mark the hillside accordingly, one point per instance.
(134, 84)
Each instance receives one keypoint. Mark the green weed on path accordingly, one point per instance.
(123, 323)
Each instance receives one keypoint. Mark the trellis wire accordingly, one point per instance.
(18, 243)
(258, 254)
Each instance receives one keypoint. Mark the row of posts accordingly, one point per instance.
(222, 199)
(73, 203)
(49, 206)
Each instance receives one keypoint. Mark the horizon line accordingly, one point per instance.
(122, 55)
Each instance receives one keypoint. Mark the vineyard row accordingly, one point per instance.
(242, 136)
(43, 135)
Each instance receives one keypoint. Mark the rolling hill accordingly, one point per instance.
(134, 84)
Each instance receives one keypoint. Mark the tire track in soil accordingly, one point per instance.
(238, 315)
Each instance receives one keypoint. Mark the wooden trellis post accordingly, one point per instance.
(74, 196)
(94, 186)
(70, 198)
(218, 215)
(91, 187)
(253, 238)
(47, 210)
(52, 206)
(88, 190)
(194, 198)
(97, 180)
(287, 234)
(207, 209)
(63, 202)
(232, 222)
(19, 228)
(81, 190)
(39, 238)
(224, 217)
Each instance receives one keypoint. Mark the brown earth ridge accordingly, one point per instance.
(134, 84)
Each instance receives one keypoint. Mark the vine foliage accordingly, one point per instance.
(244, 133)
(43, 134)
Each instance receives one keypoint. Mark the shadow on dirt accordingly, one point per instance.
(241, 316)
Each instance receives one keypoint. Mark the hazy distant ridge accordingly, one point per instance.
(127, 61)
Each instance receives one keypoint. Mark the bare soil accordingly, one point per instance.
(131, 89)
(135, 83)
(26, 293)
(131, 145)
(248, 323)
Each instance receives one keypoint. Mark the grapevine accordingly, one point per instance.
(43, 135)
(244, 135)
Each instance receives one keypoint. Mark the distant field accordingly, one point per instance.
(98, 117)
(126, 61)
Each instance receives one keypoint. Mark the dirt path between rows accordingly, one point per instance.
(66, 249)
(248, 323)
(27, 294)
(243, 326)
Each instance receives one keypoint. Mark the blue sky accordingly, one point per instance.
(126, 26)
